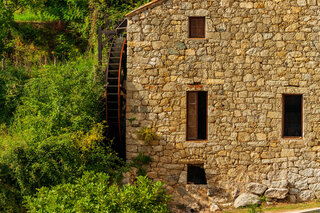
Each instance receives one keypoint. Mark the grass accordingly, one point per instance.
(281, 207)
(28, 15)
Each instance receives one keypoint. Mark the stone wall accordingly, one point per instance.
(253, 53)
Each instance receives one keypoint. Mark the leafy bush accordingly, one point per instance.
(56, 161)
(11, 86)
(54, 136)
(59, 100)
(93, 193)
(6, 21)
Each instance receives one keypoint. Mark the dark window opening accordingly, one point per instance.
(292, 115)
(196, 174)
(202, 115)
(197, 27)
(197, 115)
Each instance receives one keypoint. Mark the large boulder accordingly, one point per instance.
(256, 188)
(276, 193)
(246, 199)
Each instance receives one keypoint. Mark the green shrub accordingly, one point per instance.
(59, 100)
(93, 193)
(11, 87)
(56, 161)
(54, 135)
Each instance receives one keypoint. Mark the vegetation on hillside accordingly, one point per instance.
(52, 133)
(70, 24)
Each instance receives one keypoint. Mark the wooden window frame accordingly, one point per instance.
(203, 36)
(206, 119)
(283, 117)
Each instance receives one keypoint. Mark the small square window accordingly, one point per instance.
(196, 174)
(197, 27)
(292, 116)
(197, 115)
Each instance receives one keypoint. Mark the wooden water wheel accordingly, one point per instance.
(116, 88)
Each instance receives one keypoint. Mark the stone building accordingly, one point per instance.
(231, 87)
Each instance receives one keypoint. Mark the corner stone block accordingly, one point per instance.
(183, 178)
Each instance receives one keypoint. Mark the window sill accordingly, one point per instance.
(198, 39)
(292, 137)
(197, 141)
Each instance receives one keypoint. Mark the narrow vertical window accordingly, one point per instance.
(292, 115)
(197, 115)
(197, 27)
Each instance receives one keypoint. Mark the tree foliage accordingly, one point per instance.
(6, 21)
(59, 99)
(80, 18)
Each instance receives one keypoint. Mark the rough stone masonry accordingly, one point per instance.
(253, 53)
